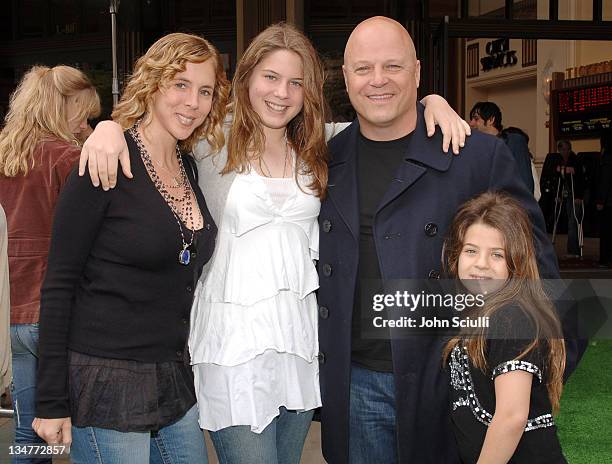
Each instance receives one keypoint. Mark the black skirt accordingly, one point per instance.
(128, 396)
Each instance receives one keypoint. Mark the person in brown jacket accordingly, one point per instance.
(38, 149)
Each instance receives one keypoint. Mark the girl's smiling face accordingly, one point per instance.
(483, 258)
(276, 89)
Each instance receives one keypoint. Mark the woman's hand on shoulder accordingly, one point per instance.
(454, 128)
(54, 431)
(103, 150)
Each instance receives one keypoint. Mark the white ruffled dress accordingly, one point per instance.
(253, 338)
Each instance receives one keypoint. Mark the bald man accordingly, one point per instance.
(392, 194)
(381, 72)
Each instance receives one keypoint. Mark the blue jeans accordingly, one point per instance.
(178, 443)
(372, 431)
(281, 442)
(24, 343)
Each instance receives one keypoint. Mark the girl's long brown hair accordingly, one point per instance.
(37, 111)
(157, 67)
(523, 287)
(305, 132)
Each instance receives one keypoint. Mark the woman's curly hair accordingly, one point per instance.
(157, 67)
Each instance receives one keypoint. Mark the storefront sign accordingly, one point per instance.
(499, 55)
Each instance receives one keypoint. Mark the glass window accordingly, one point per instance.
(488, 8)
(525, 9)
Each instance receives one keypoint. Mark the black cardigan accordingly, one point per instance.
(114, 287)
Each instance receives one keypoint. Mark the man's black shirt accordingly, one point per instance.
(377, 164)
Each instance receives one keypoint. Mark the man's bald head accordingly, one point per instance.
(382, 75)
(374, 27)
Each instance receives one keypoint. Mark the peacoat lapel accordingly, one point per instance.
(342, 180)
(423, 152)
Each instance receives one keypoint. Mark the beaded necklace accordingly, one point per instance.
(185, 201)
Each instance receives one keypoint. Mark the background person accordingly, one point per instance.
(506, 380)
(537, 193)
(563, 180)
(122, 270)
(5, 308)
(487, 117)
(38, 149)
(604, 201)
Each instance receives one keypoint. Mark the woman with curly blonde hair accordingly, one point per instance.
(38, 149)
(113, 377)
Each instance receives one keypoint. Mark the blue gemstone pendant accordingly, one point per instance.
(184, 257)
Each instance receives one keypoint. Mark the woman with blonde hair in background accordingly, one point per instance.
(38, 149)
(113, 377)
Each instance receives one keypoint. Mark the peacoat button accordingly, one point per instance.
(179, 353)
(433, 274)
(327, 225)
(321, 357)
(323, 312)
(327, 270)
(431, 229)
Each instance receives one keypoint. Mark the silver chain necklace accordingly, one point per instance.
(262, 160)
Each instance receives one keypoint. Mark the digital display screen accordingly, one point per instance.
(584, 111)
